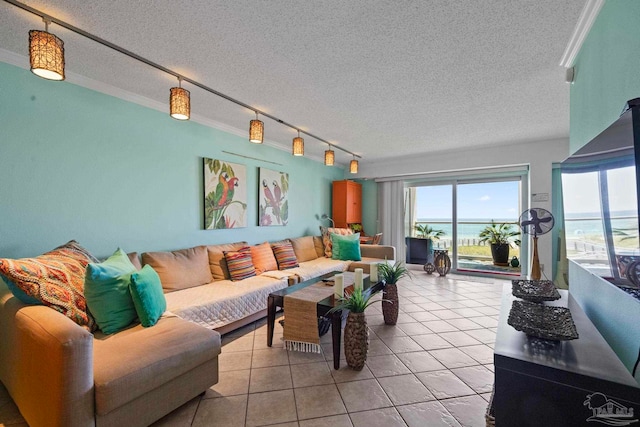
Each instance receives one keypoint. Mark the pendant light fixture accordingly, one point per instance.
(298, 145)
(46, 54)
(256, 130)
(353, 166)
(179, 102)
(329, 157)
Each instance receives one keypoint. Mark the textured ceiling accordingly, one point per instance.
(382, 79)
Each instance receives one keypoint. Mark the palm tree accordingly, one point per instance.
(424, 231)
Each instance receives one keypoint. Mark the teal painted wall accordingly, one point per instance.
(607, 71)
(369, 206)
(607, 75)
(78, 164)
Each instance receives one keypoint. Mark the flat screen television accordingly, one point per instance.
(600, 196)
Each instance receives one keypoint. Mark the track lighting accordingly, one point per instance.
(46, 54)
(298, 145)
(179, 102)
(329, 157)
(256, 130)
(353, 166)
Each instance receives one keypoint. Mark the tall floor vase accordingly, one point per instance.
(356, 340)
(390, 304)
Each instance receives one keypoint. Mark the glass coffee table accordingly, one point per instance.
(276, 299)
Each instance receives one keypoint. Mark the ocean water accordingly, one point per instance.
(470, 229)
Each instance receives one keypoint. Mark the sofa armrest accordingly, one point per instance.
(378, 251)
(46, 364)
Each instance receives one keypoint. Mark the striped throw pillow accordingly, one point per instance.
(240, 264)
(285, 256)
(263, 259)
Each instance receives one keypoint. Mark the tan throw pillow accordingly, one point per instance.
(304, 248)
(135, 260)
(181, 269)
(326, 237)
(319, 246)
(217, 262)
(263, 259)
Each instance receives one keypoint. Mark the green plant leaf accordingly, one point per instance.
(216, 166)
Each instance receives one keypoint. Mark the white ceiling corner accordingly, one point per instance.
(587, 17)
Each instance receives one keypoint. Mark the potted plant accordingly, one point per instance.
(356, 333)
(500, 237)
(420, 248)
(389, 275)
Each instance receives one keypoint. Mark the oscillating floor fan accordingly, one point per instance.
(536, 222)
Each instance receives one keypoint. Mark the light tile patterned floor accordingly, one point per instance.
(434, 368)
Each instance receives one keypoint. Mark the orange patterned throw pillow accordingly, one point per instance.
(263, 259)
(326, 237)
(56, 279)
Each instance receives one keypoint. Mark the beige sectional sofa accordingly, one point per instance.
(59, 374)
(214, 301)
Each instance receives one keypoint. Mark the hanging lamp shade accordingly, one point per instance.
(256, 131)
(329, 157)
(179, 103)
(353, 166)
(46, 55)
(298, 146)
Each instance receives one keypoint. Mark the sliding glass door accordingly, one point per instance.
(457, 211)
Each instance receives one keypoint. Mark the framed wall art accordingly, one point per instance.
(225, 195)
(273, 198)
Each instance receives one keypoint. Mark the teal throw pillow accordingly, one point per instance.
(349, 250)
(148, 298)
(337, 238)
(106, 289)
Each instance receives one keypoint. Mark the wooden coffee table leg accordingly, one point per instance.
(271, 319)
(336, 333)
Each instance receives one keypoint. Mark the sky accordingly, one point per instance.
(582, 196)
(487, 200)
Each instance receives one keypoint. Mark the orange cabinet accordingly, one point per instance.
(347, 203)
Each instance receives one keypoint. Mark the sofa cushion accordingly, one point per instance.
(319, 245)
(222, 302)
(349, 249)
(125, 369)
(263, 258)
(180, 269)
(55, 278)
(147, 295)
(285, 256)
(106, 289)
(336, 239)
(135, 260)
(304, 248)
(217, 263)
(240, 264)
(326, 237)
(314, 268)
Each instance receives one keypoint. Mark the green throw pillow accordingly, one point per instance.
(337, 238)
(349, 250)
(106, 289)
(148, 298)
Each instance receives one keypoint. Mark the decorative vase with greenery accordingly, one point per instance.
(389, 275)
(356, 333)
(500, 236)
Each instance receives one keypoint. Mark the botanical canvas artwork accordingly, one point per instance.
(273, 197)
(225, 194)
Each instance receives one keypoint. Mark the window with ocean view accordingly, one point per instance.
(476, 206)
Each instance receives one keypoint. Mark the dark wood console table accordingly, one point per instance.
(538, 383)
